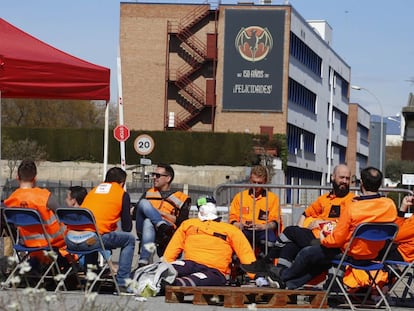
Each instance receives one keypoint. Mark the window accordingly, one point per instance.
(300, 139)
(301, 96)
(305, 55)
(363, 135)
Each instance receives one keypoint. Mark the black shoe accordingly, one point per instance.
(274, 277)
(164, 234)
(142, 264)
(258, 266)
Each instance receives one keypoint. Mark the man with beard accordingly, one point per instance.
(369, 207)
(322, 213)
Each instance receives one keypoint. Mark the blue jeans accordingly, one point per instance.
(126, 241)
(147, 218)
(111, 240)
(84, 242)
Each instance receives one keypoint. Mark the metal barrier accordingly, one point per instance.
(294, 198)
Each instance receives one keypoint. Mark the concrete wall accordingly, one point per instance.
(206, 176)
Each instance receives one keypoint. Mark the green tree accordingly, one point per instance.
(396, 168)
(40, 113)
(15, 151)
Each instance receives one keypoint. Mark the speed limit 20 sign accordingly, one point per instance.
(144, 144)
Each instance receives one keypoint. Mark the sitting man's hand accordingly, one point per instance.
(238, 225)
(315, 224)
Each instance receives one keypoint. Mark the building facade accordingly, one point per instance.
(408, 135)
(358, 139)
(238, 68)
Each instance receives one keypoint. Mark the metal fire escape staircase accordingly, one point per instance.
(190, 96)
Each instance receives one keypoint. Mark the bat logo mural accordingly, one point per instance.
(253, 43)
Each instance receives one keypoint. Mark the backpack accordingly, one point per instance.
(150, 280)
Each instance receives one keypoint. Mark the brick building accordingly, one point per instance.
(238, 68)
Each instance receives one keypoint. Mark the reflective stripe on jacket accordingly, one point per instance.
(36, 198)
(170, 205)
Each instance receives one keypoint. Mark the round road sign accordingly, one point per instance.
(144, 144)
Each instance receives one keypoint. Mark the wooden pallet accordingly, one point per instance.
(241, 297)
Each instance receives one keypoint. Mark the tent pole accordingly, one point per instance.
(106, 128)
(1, 141)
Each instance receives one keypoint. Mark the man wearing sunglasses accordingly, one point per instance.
(159, 212)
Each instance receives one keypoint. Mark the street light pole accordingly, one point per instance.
(330, 121)
(358, 88)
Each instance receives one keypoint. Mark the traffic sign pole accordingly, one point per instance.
(121, 111)
(143, 145)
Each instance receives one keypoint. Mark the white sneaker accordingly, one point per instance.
(261, 281)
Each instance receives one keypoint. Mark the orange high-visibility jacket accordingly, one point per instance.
(36, 198)
(405, 238)
(171, 205)
(363, 209)
(245, 207)
(105, 203)
(325, 207)
(210, 243)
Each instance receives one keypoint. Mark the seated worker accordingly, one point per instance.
(256, 211)
(207, 245)
(41, 200)
(325, 209)
(110, 203)
(403, 246)
(75, 196)
(159, 212)
(312, 260)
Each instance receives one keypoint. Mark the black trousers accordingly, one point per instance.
(294, 238)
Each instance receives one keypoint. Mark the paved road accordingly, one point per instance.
(76, 301)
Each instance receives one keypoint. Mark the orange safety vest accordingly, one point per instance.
(171, 205)
(105, 203)
(32, 236)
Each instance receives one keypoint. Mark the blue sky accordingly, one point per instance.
(373, 36)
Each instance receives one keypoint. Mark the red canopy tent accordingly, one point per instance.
(30, 68)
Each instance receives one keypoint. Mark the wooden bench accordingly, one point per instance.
(241, 297)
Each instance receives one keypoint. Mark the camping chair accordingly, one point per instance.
(16, 217)
(77, 218)
(403, 276)
(375, 232)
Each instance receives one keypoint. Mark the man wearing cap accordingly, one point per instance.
(159, 212)
(208, 245)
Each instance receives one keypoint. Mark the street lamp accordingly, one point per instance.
(358, 88)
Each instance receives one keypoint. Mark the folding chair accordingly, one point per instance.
(77, 219)
(15, 218)
(375, 232)
(404, 276)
